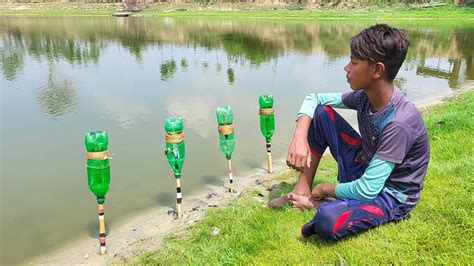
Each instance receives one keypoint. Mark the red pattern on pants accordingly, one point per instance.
(343, 217)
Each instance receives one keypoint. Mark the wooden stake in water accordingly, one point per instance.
(175, 153)
(269, 157)
(231, 176)
(225, 120)
(102, 233)
(98, 176)
(179, 198)
(267, 124)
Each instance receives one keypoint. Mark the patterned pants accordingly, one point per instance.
(343, 217)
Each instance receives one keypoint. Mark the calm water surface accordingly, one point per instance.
(61, 77)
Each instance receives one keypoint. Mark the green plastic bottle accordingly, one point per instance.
(267, 121)
(225, 117)
(175, 150)
(98, 170)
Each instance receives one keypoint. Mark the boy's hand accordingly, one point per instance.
(322, 191)
(299, 155)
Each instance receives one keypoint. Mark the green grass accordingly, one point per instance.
(227, 10)
(40, 12)
(58, 9)
(440, 230)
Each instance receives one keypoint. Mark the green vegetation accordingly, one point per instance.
(40, 12)
(244, 10)
(58, 9)
(298, 12)
(81, 40)
(439, 232)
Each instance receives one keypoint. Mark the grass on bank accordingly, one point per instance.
(439, 231)
(58, 9)
(241, 10)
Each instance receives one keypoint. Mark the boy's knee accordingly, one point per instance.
(319, 111)
(324, 111)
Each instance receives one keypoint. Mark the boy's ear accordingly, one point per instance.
(379, 70)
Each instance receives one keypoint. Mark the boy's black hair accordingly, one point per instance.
(381, 43)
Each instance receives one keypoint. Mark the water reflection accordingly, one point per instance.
(122, 109)
(184, 63)
(464, 41)
(400, 82)
(57, 97)
(49, 46)
(12, 54)
(249, 46)
(197, 112)
(438, 67)
(81, 42)
(230, 76)
(168, 69)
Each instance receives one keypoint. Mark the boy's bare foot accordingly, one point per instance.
(304, 202)
(299, 190)
(298, 201)
(278, 202)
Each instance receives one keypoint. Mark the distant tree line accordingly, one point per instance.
(335, 3)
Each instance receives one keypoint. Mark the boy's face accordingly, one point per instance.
(359, 73)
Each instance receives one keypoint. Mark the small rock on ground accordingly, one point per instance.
(215, 231)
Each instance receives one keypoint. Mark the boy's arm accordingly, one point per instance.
(299, 155)
(314, 100)
(366, 188)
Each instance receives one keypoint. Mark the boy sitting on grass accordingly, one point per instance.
(380, 171)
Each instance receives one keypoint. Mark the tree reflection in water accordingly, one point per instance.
(79, 41)
(230, 76)
(168, 69)
(184, 63)
(56, 97)
(12, 54)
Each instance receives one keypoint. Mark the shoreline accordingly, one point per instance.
(223, 16)
(147, 231)
(250, 10)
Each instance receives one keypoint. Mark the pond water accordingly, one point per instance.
(61, 77)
